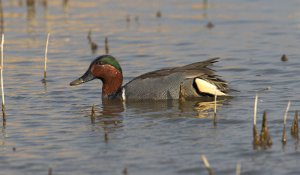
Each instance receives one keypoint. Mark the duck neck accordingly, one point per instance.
(111, 77)
(112, 85)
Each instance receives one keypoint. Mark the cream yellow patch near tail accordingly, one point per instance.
(209, 88)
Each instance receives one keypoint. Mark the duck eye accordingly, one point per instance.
(99, 62)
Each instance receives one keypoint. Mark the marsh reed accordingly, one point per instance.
(284, 123)
(265, 138)
(255, 134)
(106, 46)
(294, 127)
(215, 109)
(50, 171)
(93, 45)
(93, 114)
(2, 88)
(46, 58)
(207, 165)
(238, 168)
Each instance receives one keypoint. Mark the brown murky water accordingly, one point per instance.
(49, 126)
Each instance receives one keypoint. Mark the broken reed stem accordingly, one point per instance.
(50, 171)
(46, 57)
(207, 165)
(283, 139)
(255, 110)
(105, 136)
(238, 168)
(125, 171)
(106, 46)
(286, 112)
(256, 141)
(284, 123)
(294, 127)
(255, 134)
(93, 45)
(89, 36)
(2, 89)
(93, 114)
(215, 110)
(265, 138)
(181, 93)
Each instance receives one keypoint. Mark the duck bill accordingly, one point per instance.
(83, 79)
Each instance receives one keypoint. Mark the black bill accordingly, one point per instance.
(83, 79)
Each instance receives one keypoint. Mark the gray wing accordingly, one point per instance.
(163, 87)
(170, 83)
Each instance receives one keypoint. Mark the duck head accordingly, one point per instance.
(107, 69)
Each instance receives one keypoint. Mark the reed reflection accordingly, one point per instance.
(30, 10)
(1, 18)
(204, 108)
(31, 14)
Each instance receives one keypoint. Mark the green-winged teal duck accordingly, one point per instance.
(190, 81)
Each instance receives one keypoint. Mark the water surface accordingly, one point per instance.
(49, 125)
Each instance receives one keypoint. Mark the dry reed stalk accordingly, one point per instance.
(265, 138)
(30, 2)
(215, 106)
(106, 46)
(2, 89)
(294, 128)
(1, 18)
(283, 139)
(255, 109)
(255, 134)
(125, 171)
(181, 93)
(93, 45)
(207, 165)
(284, 123)
(89, 36)
(215, 109)
(93, 114)
(238, 168)
(46, 57)
(158, 14)
(50, 171)
(105, 136)
(284, 58)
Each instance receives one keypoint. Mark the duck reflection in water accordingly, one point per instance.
(110, 114)
(112, 111)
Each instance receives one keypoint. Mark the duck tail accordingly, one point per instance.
(214, 86)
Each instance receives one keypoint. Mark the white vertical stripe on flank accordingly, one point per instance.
(123, 94)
